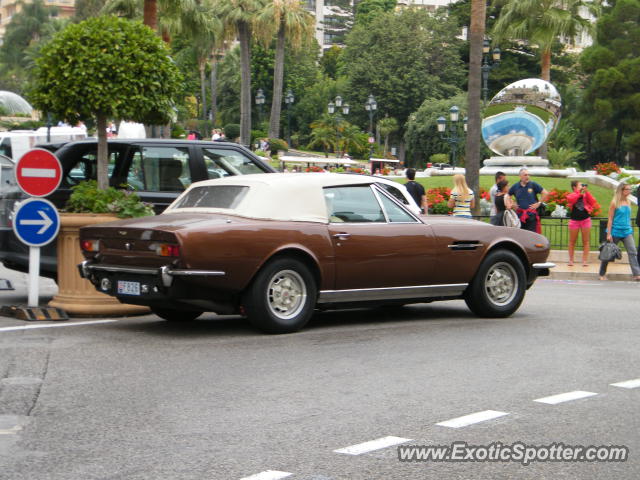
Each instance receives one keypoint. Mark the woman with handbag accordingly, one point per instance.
(581, 204)
(503, 201)
(619, 228)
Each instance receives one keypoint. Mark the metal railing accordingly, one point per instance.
(557, 231)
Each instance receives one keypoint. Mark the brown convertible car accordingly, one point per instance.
(277, 247)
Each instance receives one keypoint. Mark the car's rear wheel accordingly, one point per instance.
(281, 297)
(498, 288)
(172, 315)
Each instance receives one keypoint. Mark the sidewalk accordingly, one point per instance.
(617, 271)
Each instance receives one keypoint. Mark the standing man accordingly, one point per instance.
(526, 193)
(416, 191)
(492, 193)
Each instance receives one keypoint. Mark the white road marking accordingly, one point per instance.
(10, 431)
(628, 384)
(565, 397)
(54, 325)
(268, 475)
(472, 418)
(39, 172)
(365, 447)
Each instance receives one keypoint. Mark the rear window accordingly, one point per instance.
(220, 196)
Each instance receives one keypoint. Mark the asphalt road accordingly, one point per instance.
(141, 398)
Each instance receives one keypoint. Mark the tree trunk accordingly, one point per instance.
(476, 37)
(214, 90)
(618, 155)
(202, 65)
(278, 80)
(103, 152)
(150, 13)
(386, 145)
(545, 64)
(244, 35)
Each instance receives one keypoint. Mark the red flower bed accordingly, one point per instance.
(314, 168)
(606, 168)
(559, 197)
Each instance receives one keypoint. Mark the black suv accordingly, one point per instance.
(157, 170)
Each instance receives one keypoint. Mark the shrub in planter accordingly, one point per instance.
(231, 131)
(276, 144)
(87, 198)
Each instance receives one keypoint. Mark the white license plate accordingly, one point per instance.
(128, 288)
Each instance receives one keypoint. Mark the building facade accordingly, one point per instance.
(8, 8)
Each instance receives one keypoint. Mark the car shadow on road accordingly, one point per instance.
(234, 325)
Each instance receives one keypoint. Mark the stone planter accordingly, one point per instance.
(76, 295)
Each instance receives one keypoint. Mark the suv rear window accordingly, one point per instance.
(222, 163)
(160, 169)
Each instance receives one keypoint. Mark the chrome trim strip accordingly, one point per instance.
(391, 293)
(197, 273)
(540, 266)
(465, 245)
(114, 268)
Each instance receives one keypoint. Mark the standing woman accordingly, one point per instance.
(619, 228)
(581, 204)
(461, 199)
(503, 201)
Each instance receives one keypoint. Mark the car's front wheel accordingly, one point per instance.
(172, 315)
(281, 297)
(498, 288)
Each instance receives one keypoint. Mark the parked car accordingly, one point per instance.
(157, 170)
(276, 247)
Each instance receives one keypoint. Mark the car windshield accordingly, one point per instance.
(219, 196)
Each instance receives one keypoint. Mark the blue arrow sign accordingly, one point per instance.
(36, 222)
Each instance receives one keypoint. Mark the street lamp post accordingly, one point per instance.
(454, 136)
(371, 106)
(288, 100)
(331, 108)
(260, 103)
(487, 65)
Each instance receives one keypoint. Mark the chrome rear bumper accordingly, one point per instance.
(165, 273)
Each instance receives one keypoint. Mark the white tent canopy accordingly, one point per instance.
(318, 160)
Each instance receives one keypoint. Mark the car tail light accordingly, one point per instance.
(90, 245)
(168, 250)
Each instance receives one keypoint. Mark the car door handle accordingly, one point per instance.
(341, 236)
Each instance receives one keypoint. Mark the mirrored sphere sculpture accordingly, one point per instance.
(520, 118)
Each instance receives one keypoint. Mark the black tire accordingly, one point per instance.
(172, 315)
(281, 297)
(498, 288)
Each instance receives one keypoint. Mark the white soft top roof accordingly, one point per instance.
(294, 197)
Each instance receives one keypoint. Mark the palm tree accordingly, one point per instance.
(198, 21)
(294, 24)
(326, 132)
(322, 136)
(386, 126)
(238, 17)
(472, 147)
(541, 22)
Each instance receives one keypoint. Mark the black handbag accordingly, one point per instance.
(609, 252)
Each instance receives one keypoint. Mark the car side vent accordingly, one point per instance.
(465, 245)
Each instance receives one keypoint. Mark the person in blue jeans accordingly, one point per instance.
(619, 228)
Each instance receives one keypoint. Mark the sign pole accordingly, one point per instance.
(34, 273)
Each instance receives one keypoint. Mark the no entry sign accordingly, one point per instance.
(38, 172)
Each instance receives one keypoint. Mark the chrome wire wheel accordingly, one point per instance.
(501, 283)
(286, 294)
